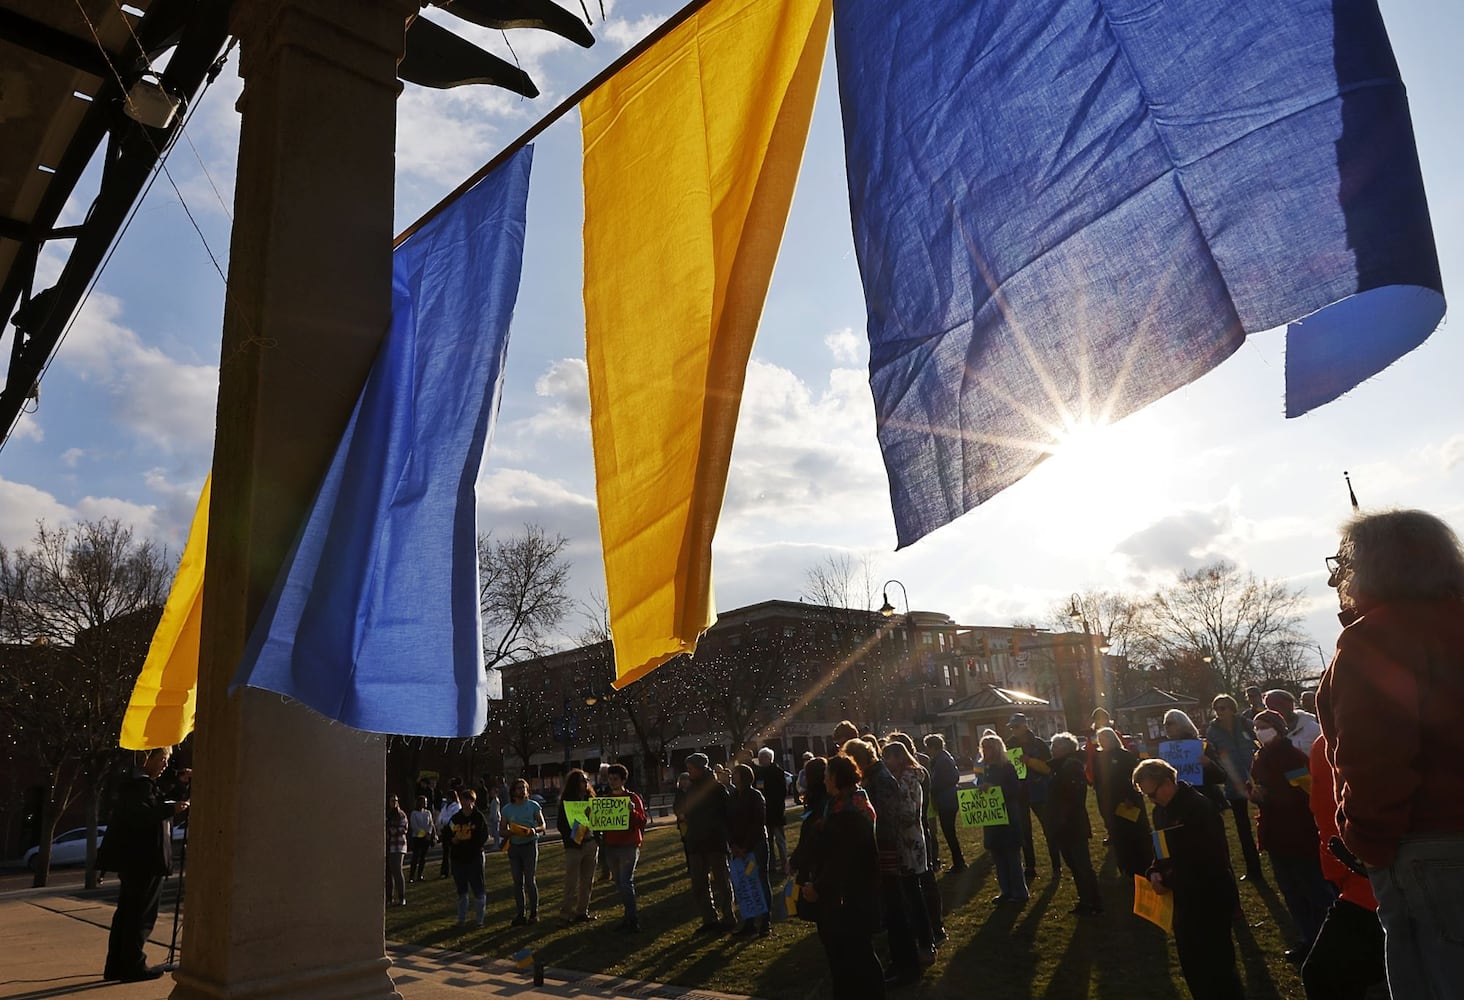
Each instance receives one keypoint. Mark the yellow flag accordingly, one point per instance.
(160, 713)
(691, 154)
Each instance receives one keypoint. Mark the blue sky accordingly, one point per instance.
(124, 426)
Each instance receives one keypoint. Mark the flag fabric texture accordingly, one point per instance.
(160, 711)
(1065, 209)
(374, 619)
(691, 154)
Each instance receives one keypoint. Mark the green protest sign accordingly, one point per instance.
(610, 813)
(1015, 754)
(982, 806)
(576, 812)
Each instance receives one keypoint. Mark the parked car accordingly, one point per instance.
(68, 848)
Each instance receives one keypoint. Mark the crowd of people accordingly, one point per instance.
(1353, 795)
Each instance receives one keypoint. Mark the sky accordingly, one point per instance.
(124, 426)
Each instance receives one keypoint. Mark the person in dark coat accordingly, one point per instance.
(748, 839)
(845, 884)
(1034, 791)
(1281, 787)
(1128, 836)
(772, 781)
(945, 778)
(706, 808)
(1067, 822)
(139, 847)
(1004, 843)
(1231, 742)
(1192, 861)
(883, 791)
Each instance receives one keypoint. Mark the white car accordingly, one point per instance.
(68, 848)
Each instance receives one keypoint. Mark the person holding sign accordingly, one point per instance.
(839, 875)
(622, 847)
(1068, 825)
(523, 823)
(581, 848)
(1004, 843)
(1032, 755)
(747, 837)
(1128, 835)
(1286, 830)
(1192, 861)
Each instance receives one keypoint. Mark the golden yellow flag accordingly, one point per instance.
(160, 713)
(691, 154)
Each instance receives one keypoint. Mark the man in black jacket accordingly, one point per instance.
(1192, 860)
(139, 848)
(1067, 821)
(945, 778)
(706, 812)
(772, 781)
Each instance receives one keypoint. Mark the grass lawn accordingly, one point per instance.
(1037, 952)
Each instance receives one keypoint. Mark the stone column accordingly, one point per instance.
(287, 836)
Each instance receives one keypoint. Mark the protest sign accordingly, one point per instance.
(1153, 907)
(748, 888)
(1015, 754)
(610, 813)
(576, 812)
(1186, 757)
(982, 806)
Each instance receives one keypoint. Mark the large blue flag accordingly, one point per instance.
(374, 620)
(1064, 209)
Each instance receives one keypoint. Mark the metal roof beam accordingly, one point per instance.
(42, 39)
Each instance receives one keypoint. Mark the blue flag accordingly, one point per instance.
(374, 620)
(1065, 209)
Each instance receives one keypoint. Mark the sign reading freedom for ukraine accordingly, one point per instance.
(982, 806)
(1186, 758)
(609, 813)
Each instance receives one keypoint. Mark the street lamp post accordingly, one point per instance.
(565, 728)
(1075, 612)
(888, 610)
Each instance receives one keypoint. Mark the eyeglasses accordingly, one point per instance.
(1335, 565)
(1153, 791)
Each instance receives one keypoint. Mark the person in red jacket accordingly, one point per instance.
(1346, 959)
(622, 847)
(1285, 829)
(1392, 709)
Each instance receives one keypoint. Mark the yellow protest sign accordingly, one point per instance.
(576, 812)
(1152, 906)
(982, 806)
(1015, 754)
(1127, 811)
(610, 813)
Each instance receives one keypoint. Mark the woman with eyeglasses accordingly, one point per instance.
(1392, 709)
(1192, 861)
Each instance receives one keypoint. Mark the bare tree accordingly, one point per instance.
(840, 581)
(1111, 614)
(1243, 624)
(523, 593)
(80, 607)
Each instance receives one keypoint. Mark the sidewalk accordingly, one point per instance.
(55, 944)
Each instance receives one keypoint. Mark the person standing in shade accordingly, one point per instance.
(839, 875)
(139, 847)
(421, 834)
(1067, 822)
(581, 850)
(945, 779)
(622, 847)
(450, 806)
(1129, 839)
(772, 781)
(523, 824)
(1192, 861)
(1003, 843)
(1346, 960)
(467, 832)
(706, 808)
(747, 837)
(1231, 743)
(1392, 708)
(1033, 795)
(1286, 830)
(396, 850)
(884, 792)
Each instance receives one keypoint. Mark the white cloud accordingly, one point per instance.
(169, 402)
(1177, 542)
(72, 457)
(625, 32)
(28, 428)
(847, 347)
(21, 506)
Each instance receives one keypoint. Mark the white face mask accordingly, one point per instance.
(1265, 735)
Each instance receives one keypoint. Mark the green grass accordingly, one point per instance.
(1037, 952)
